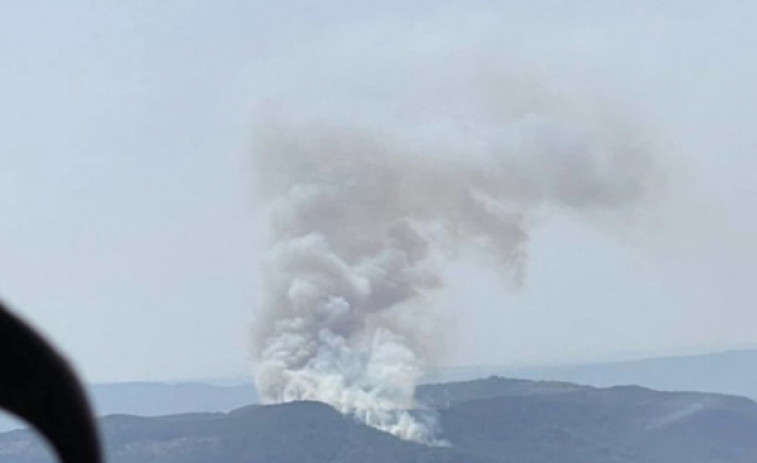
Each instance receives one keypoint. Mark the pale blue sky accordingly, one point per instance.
(129, 232)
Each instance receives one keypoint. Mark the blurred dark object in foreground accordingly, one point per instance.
(38, 386)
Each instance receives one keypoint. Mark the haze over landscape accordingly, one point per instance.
(339, 202)
(128, 184)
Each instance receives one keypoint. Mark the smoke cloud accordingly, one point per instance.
(369, 198)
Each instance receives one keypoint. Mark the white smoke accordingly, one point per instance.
(366, 201)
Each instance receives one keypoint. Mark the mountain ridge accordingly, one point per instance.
(729, 372)
(492, 420)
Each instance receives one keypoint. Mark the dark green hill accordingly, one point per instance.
(484, 421)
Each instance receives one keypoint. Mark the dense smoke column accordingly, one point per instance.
(357, 222)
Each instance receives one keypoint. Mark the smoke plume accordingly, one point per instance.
(367, 202)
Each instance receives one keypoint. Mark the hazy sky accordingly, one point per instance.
(130, 232)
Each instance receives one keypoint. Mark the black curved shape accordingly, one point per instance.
(38, 385)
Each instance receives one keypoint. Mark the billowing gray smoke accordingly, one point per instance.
(363, 212)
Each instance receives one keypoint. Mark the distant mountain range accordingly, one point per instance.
(155, 399)
(732, 372)
(484, 421)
